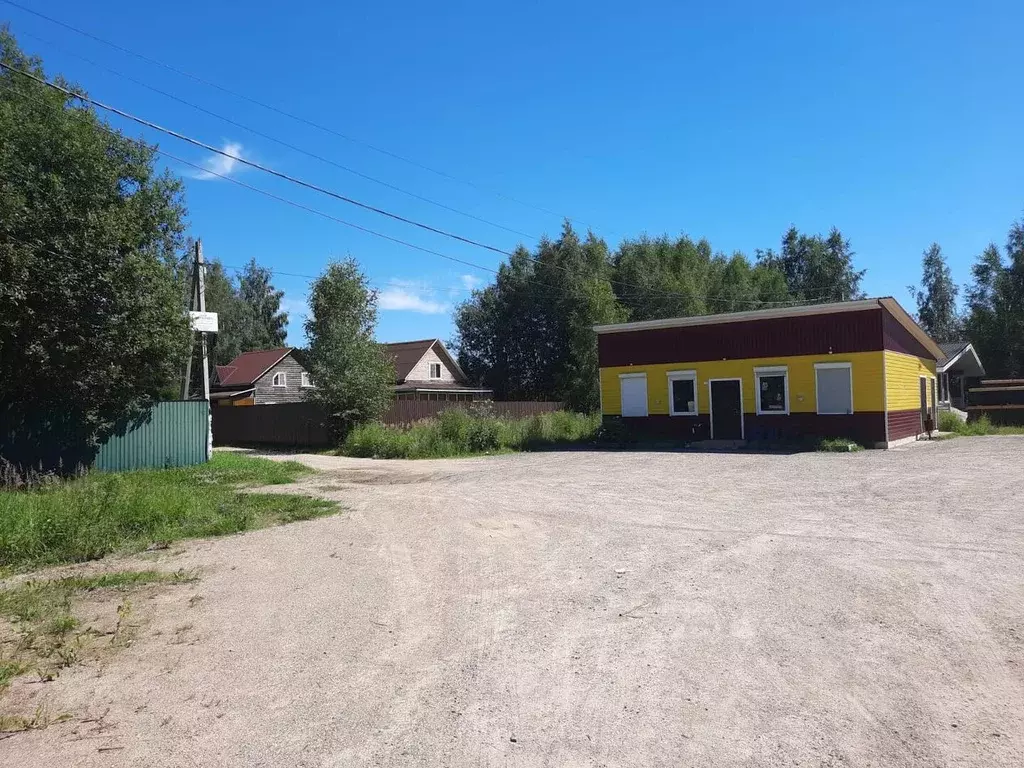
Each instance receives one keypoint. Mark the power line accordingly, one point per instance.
(283, 143)
(291, 116)
(266, 169)
(399, 241)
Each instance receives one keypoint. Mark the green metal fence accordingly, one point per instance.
(173, 434)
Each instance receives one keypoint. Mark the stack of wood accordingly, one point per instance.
(1002, 400)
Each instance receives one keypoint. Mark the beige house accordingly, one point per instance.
(425, 370)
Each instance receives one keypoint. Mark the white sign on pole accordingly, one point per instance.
(205, 322)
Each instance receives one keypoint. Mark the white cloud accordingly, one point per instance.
(401, 299)
(409, 296)
(471, 282)
(297, 309)
(219, 165)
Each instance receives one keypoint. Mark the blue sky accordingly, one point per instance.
(898, 123)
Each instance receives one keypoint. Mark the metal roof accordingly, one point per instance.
(887, 302)
(406, 354)
(245, 369)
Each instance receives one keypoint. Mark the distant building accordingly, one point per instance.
(862, 370)
(957, 366)
(263, 377)
(425, 370)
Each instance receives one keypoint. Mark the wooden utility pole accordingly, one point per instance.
(197, 302)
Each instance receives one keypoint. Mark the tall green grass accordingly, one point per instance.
(91, 516)
(458, 433)
(948, 422)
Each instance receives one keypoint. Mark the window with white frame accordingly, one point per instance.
(435, 371)
(307, 380)
(633, 387)
(280, 380)
(833, 387)
(682, 393)
(771, 390)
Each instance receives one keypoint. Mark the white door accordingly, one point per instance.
(634, 394)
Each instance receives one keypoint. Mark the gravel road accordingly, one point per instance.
(588, 609)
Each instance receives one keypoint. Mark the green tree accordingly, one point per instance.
(269, 325)
(91, 322)
(816, 268)
(659, 278)
(353, 374)
(529, 336)
(1012, 302)
(936, 303)
(985, 324)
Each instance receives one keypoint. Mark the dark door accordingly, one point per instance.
(726, 410)
(924, 402)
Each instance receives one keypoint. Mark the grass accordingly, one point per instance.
(458, 433)
(948, 422)
(89, 517)
(838, 445)
(45, 634)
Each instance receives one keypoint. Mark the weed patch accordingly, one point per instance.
(43, 633)
(91, 516)
(837, 445)
(948, 422)
(458, 433)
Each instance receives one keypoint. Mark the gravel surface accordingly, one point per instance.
(588, 609)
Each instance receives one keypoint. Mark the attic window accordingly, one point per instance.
(435, 371)
(280, 380)
(307, 381)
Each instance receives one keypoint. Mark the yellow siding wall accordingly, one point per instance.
(867, 381)
(902, 380)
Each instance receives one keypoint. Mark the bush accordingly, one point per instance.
(459, 432)
(838, 445)
(949, 422)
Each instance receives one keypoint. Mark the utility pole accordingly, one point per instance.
(197, 302)
(204, 322)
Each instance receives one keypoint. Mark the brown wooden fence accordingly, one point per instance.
(304, 424)
(281, 424)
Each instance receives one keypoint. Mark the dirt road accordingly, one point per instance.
(589, 609)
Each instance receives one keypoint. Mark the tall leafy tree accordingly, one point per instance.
(984, 324)
(352, 373)
(530, 336)
(1013, 300)
(91, 321)
(936, 299)
(658, 278)
(269, 323)
(235, 317)
(816, 268)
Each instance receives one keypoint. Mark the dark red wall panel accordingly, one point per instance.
(899, 339)
(904, 424)
(866, 428)
(683, 428)
(834, 333)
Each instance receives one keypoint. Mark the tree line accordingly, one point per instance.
(992, 314)
(529, 335)
(93, 288)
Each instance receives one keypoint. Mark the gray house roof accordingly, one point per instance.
(960, 356)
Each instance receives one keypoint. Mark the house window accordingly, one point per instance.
(307, 380)
(682, 393)
(633, 388)
(435, 370)
(833, 387)
(280, 380)
(772, 390)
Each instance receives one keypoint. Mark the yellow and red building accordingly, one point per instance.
(863, 370)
